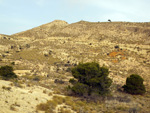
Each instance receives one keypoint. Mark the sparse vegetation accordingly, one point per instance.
(40, 78)
(134, 85)
(50, 105)
(6, 88)
(70, 102)
(90, 79)
(6, 72)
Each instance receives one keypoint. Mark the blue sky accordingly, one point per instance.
(20, 15)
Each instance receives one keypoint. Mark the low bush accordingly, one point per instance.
(80, 89)
(134, 85)
(6, 72)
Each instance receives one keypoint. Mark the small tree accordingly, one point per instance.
(90, 78)
(109, 20)
(6, 72)
(134, 85)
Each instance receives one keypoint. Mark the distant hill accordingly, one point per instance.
(43, 31)
(122, 32)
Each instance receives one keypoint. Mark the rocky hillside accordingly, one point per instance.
(121, 32)
(43, 57)
(43, 31)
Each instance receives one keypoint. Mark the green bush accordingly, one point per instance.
(6, 72)
(91, 78)
(134, 85)
(80, 89)
(72, 81)
(12, 63)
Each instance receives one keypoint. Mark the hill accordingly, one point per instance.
(121, 32)
(43, 56)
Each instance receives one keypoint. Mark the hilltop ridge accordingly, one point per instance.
(115, 31)
(43, 30)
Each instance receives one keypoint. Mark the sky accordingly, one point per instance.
(21, 15)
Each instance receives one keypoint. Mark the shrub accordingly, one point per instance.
(12, 63)
(6, 88)
(116, 47)
(91, 78)
(59, 81)
(80, 89)
(109, 20)
(6, 72)
(36, 78)
(134, 85)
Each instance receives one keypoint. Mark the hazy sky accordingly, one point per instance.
(20, 15)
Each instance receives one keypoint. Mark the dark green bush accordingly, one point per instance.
(134, 85)
(12, 63)
(80, 89)
(90, 78)
(72, 81)
(6, 72)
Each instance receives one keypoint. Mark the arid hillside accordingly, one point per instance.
(42, 57)
(121, 32)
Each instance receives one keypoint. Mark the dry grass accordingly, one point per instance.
(50, 105)
(34, 55)
(75, 105)
(63, 110)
